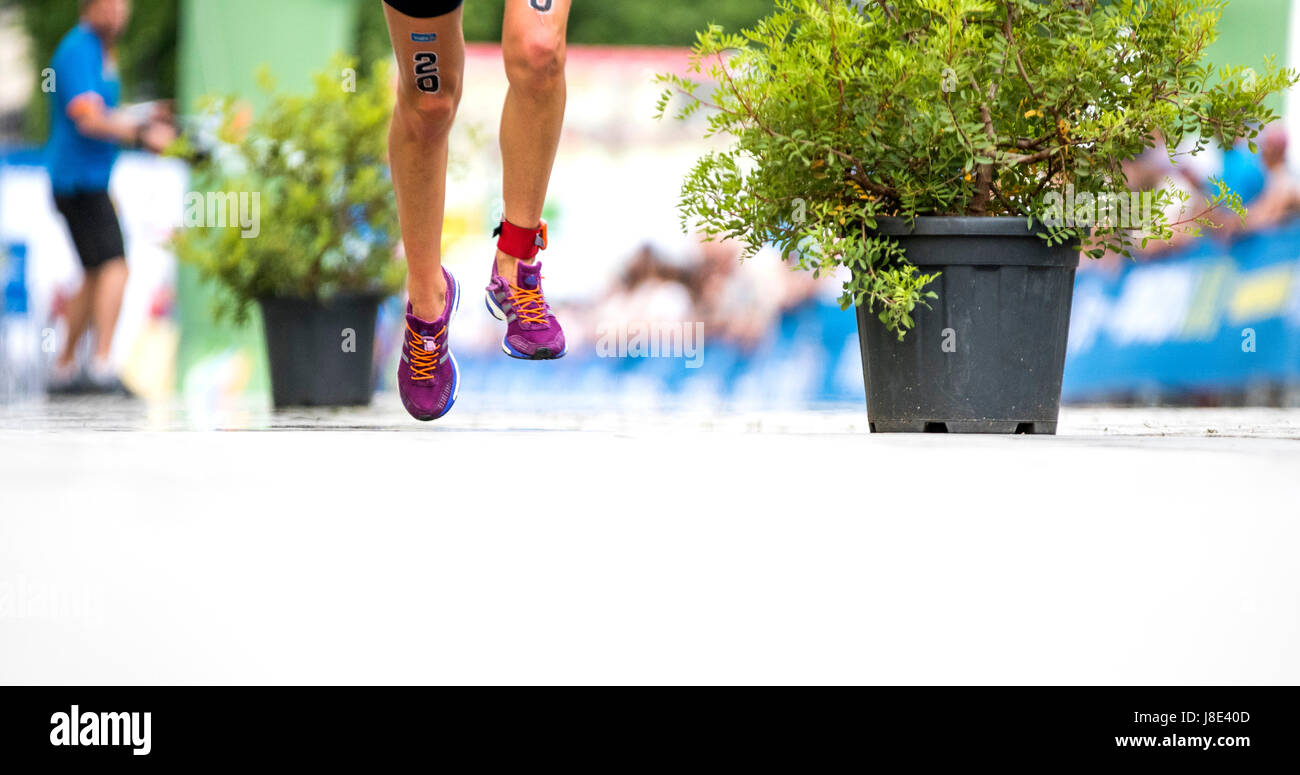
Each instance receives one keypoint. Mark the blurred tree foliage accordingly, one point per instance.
(148, 50)
(590, 21)
(147, 55)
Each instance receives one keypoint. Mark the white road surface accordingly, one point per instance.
(160, 546)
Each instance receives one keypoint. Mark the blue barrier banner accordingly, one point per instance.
(1215, 317)
(809, 359)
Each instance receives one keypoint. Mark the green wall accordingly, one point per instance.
(1251, 31)
(223, 44)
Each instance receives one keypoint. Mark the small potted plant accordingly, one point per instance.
(293, 210)
(956, 156)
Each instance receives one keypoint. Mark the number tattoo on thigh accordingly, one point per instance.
(541, 5)
(426, 72)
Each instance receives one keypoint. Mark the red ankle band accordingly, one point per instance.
(522, 244)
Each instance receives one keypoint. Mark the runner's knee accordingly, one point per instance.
(429, 114)
(535, 60)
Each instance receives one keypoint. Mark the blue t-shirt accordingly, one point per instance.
(1244, 173)
(76, 162)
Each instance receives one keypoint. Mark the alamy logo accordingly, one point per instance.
(652, 340)
(91, 729)
(219, 209)
(1105, 209)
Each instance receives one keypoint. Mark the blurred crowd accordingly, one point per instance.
(1268, 188)
(739, 302)
(742, 302)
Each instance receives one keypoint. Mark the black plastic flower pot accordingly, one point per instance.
(321, 353)
(988, 354)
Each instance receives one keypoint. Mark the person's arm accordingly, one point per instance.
(94, 119)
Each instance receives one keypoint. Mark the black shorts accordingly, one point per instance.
(424, 9)
(93, 223)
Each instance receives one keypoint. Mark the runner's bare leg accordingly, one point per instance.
(430, 73)
(533, 45)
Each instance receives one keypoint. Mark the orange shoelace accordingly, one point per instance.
(528, 304)
(422, 362)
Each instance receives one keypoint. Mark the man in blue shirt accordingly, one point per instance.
(86, 132)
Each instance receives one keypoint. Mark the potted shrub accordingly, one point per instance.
(956, 156)
(293, 210)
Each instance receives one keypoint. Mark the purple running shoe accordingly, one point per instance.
(532, 333)
(428, 378)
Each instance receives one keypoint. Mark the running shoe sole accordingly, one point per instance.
(542, 354)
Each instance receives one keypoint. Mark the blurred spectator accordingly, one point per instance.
(649, 291)
(740, 303)
(1152, 171)
(87, 130)
(1279, 198)
(1243, 172)
(738, 307)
